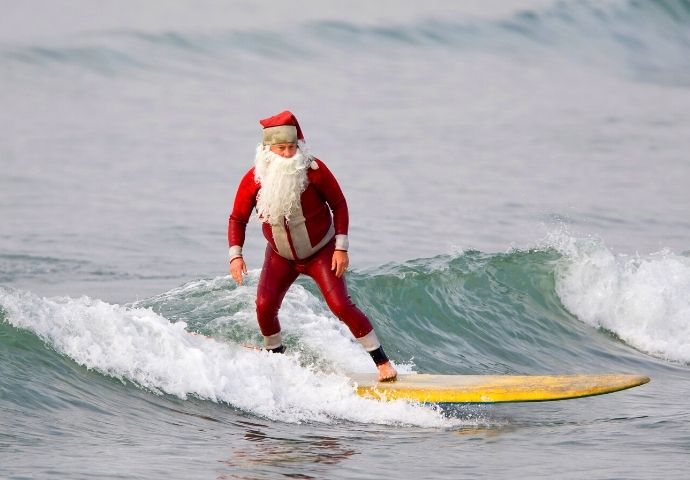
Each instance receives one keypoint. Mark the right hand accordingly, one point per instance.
(238, 269)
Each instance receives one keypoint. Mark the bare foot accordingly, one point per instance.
(386, 372)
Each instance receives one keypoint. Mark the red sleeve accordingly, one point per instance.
(329, 188)
(245, 201)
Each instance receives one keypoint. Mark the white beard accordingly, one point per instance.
(282, 182)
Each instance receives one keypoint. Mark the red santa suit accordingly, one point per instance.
(303, 242)
(308, 229)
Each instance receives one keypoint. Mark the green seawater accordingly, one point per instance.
(472, 313)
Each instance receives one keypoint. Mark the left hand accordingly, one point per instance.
(340, 262)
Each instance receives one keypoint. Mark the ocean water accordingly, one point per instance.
(517, 174)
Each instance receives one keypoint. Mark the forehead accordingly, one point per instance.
(284, 145)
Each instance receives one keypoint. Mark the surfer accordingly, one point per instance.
(305, 221)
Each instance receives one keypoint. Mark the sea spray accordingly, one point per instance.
(141, 346)
(218, 308)
(643, 299)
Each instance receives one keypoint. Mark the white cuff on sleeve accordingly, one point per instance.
(273, 341)
(235, 251)
(370, 341)
(341, 242)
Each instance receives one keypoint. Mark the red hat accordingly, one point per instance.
(281, 128)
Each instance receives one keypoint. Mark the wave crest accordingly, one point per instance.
(644, 300)
(645, 40)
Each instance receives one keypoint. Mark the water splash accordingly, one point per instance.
(138, 345)
(644, 300)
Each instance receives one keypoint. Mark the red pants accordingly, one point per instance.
(279, 273)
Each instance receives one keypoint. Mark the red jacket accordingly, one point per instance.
(306, 231)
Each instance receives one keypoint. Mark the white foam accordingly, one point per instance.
(139, 345)
(303, 316)
(645, 300)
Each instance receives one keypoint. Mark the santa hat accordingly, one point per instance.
(281, 128)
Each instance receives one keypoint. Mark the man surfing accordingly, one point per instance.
(305, 221)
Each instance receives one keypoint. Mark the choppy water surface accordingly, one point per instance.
(517, 178)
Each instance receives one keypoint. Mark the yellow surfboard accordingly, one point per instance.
(492, 388)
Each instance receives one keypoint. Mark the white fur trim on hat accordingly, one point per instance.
(280, 134)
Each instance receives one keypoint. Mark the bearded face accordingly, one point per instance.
(282, 182)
